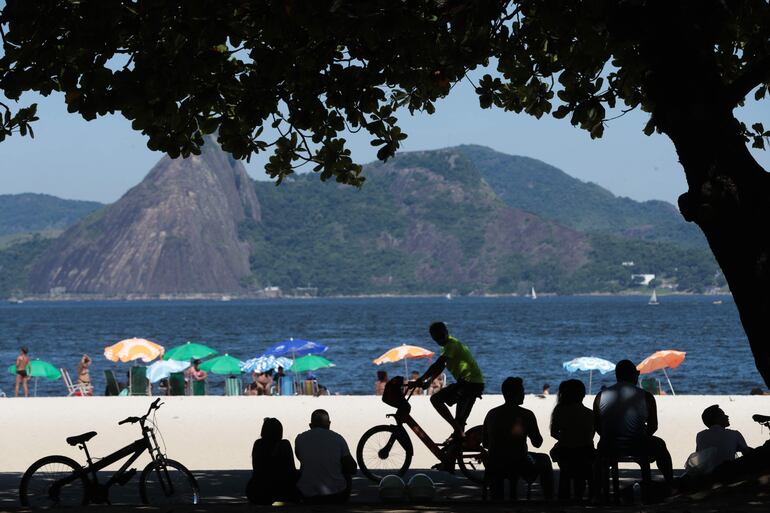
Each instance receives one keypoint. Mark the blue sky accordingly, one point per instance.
(100, 160)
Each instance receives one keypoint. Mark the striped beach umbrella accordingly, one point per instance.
(132, 349)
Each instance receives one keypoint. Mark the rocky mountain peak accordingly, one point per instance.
(175, 232)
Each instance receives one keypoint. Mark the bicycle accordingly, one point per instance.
(387, 448)
(60, 481)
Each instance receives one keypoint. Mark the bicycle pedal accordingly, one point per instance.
(126, 477)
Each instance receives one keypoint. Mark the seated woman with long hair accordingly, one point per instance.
(274, 476)
(572, 424)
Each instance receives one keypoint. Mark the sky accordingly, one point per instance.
(101, 159)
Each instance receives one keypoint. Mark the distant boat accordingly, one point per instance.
(716, 302)
(533, 294)
(225, 298)
(449, 296)
(653, 298)
(16, 301)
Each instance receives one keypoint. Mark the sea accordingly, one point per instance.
(509, 336)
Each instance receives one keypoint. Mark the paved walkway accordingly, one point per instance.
(223, 491)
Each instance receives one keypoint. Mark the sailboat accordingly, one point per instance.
(533, 295)
(653, 298)
(449, 296)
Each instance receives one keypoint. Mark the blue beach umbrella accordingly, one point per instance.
(295, 347)
(265, 363)
(590, 364)
(163, 369)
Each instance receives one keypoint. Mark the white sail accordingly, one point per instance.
(534, 294)
(653, 298)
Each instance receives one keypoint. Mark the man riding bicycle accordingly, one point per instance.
(469, 382)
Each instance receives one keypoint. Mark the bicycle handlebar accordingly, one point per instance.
(133, 420)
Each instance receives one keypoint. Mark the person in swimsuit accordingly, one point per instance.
(84, 377)
(22, 377)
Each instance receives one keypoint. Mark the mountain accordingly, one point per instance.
(424, 222)
(30, 213)
(175, 232)
(551, 193)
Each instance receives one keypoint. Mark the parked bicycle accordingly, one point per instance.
(59, 481)
(387, 449)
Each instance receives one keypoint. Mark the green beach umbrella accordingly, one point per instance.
(39, 369)
(189, 351)
(224, 364)
(310, 363)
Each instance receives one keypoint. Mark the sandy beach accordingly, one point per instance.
(217, 432)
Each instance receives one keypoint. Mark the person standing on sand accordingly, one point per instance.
(84, 376)
(22, 377)
(382, 380)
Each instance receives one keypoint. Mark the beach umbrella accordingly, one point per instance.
(189, 351)
(661, 360)
(224, 364)
(295, 347)
(309, 363)
(265, 363)
(403, 352)
(132, 349)
(590, 364)
(163, 369)
(38, 369)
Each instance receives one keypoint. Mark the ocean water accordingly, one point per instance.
(509, 336)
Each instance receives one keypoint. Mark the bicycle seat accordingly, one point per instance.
(81, 439)
(761, 418)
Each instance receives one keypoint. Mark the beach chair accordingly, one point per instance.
(176, 384)
(287, 385)
(198, 387)
(138, 384)
(310, 387)
(652, 385)
(113, 389)
(73, 389)
(233, 385)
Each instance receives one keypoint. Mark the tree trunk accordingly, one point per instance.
(729, 192)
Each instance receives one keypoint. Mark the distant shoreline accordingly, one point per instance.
(223, 297)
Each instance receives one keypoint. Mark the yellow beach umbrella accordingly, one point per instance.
(403, 352)
(132, 349)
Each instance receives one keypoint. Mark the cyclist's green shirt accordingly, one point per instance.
(460, 362)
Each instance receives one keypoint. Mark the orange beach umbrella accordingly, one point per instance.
(661, 360)
(403, 352)
(133, 349)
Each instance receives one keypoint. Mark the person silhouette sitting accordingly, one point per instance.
(326, 466)
(505, 432)
(572, 425)
(274, 475)
(722, 443)
(626, 418)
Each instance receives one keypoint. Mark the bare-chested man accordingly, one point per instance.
(22, 377)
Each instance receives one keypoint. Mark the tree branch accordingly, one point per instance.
(756, 74)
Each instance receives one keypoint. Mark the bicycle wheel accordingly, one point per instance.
(168, 482)
(53, 482)
(384, 450)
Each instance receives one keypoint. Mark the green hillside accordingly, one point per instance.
(16, 262)
(349, 241)
(537, 187)
(32, 213)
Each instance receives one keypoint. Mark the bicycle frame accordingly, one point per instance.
(133, 451)
(405, 418)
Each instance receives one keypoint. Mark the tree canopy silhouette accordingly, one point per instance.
(294, 77)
